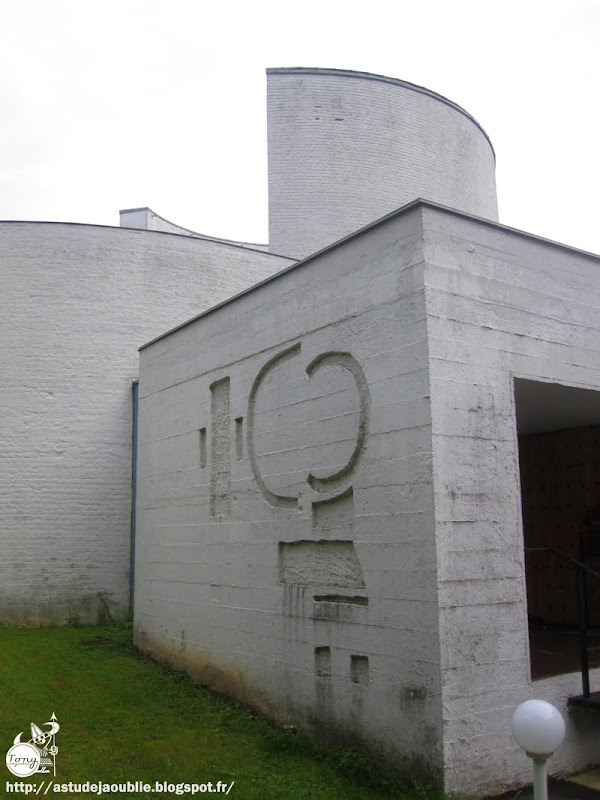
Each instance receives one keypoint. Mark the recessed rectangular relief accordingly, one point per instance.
(324, 562)
(220, 449)
(336, 512)
(239, 438)
(323, 662)
(340, 608)
(202, 436)
(359, 670)
(355, 600)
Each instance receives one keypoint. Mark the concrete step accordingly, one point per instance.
(584, 786)
(593, 701)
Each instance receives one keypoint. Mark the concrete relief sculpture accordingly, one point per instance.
(331, 485)
(274, 499)
(322, 464)
(323, 485)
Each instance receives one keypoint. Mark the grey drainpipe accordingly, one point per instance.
(134, 440)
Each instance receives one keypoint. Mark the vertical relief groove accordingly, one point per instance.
(202, 434)
(239, 438)
(220, 449)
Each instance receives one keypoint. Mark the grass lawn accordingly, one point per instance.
(124, 718)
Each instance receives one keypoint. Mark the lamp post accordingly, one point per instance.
(538, 727)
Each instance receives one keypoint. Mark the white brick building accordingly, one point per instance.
(340, 470)
(77, 302)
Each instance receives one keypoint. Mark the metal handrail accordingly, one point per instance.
(581, 571)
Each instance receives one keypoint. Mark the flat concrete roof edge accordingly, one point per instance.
(500, 226)
(419, 202)
(371, 76)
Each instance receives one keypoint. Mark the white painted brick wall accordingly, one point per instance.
(345, 148)
(78, 301)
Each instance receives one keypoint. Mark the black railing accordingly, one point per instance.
(581, 570)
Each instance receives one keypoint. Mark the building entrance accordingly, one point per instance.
(559, 454)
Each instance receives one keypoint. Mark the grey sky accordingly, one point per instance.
(111, 105)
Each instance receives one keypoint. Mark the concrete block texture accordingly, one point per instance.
(500, 305)
(78, 301)
(329, 503)
(296, 568)
(348, 147)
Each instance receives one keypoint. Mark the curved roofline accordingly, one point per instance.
(370, 76)
(190, 233)
(142, 231)
(418, 203)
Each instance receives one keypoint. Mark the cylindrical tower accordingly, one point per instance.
(346, 147)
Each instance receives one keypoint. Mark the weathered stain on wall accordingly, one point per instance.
(316, 576)
(500, 305)
(369, 577)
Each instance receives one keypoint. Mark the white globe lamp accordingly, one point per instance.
(538, 727)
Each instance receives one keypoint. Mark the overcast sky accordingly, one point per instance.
(109, 105)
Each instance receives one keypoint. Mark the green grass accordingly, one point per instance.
(124, 718)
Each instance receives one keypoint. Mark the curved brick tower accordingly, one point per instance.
(348, 147)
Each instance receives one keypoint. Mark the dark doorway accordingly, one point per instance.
(559, 453)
